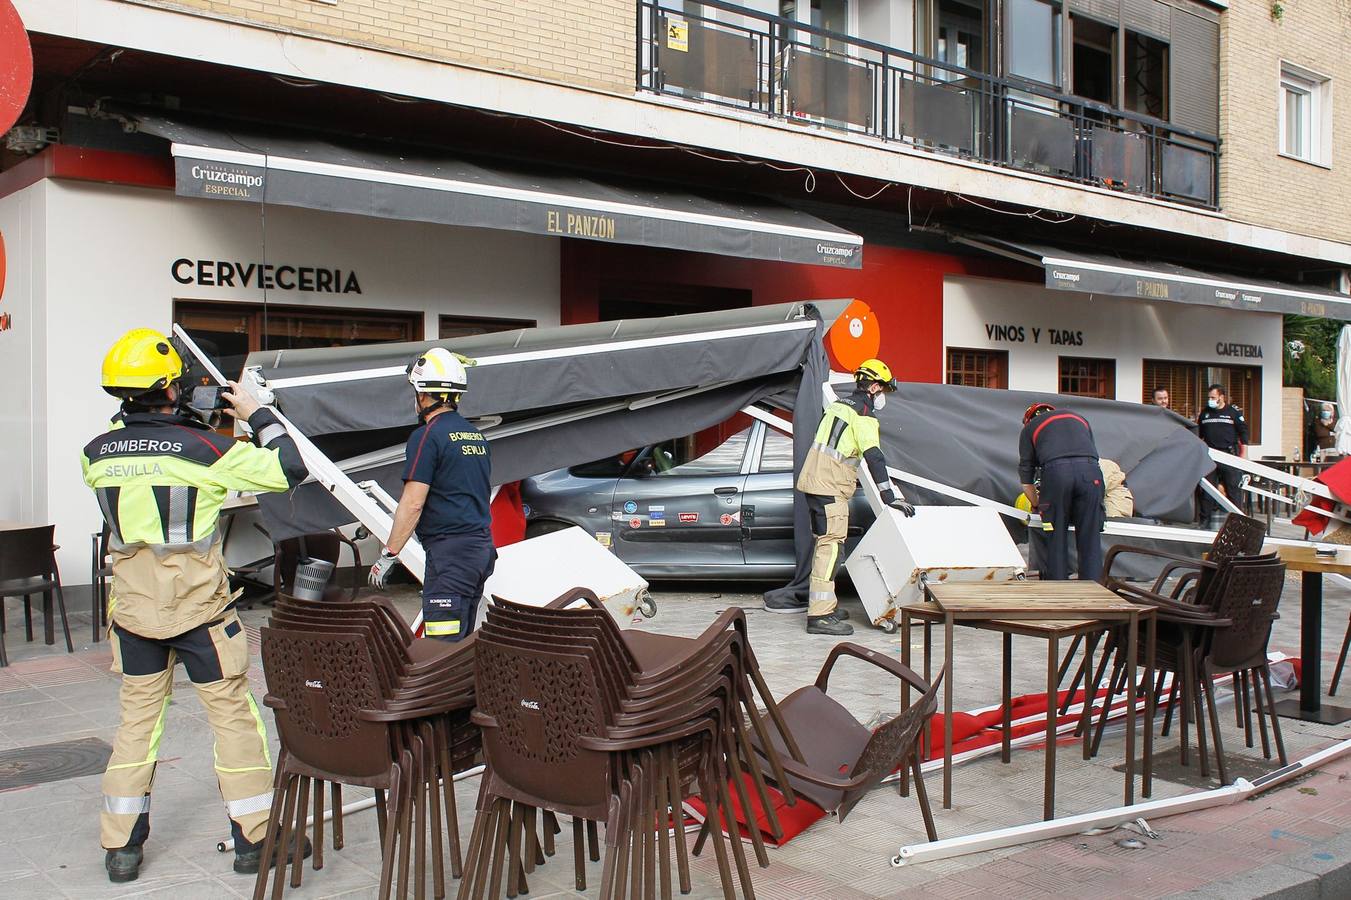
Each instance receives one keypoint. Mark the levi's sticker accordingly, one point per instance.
(688, 518)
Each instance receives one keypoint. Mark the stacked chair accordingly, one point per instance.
(1197, 639)
(580, 718)
(358, 701)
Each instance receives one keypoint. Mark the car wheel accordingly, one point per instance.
(546, 526)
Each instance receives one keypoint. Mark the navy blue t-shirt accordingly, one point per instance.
(451, 456)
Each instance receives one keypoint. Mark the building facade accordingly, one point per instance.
(1090, 197)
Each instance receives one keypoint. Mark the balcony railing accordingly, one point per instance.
(718, 53)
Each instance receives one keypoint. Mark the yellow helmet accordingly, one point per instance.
(876, 370)
(142, 360)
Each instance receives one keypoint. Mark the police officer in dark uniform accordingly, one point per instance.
(445, 499)
(1061, 445)
(1222, 426)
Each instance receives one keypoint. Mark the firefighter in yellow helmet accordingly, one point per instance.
(160, 476)
(847, 437)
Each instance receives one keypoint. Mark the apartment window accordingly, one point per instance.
(1146, 75)
(978, 368)
(1188, 383)
(958, 35)
(230, 331)
(1305, 115)
(1032, 40)
(1088, 377)
(464, 326)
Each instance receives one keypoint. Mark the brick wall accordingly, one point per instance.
(580, 42)
(1256, 184)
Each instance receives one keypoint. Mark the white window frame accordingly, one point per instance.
(1318, 122)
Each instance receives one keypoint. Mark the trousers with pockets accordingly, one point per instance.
(216, 658)
(1071, 494)
(830, 524)
(458, 565)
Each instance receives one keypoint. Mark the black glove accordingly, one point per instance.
(902, 506)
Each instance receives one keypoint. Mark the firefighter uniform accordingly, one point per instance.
(1061, 445)
(847, 436)
(1223, 429)
(451, 457)
(160, 480)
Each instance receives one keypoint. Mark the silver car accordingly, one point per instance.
(666, 513)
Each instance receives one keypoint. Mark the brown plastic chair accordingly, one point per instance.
(1236, 642)
(28, 567)
(100, 570)
(1240, 535)
(1341, 661)
(325, 545)
(835, 742)
(323, 690)
(548, 745)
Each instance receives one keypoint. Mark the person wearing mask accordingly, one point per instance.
(847, 437)
(1061, 445)
(1222, 427)
(160, 475)
(1161, 397)
(1324, 427)
(446, 492)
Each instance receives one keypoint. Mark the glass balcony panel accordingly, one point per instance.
(706, 59)
(1120, 159)
(830, 87)
(1188, 173)
(1039, 139)
(939, 115)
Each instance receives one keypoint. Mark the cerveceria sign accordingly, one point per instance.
(266, 276)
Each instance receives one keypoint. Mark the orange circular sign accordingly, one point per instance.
(854, 338)
(16, 66)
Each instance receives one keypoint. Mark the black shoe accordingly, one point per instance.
(249, 858)
(123, 865)
(777, 605)
(830, 624)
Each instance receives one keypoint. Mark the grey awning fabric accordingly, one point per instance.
(1076, 270)
(544, 397)
(421, 185)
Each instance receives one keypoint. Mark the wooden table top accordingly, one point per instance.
(1303, 559)
(1057, 600)
(930, 611)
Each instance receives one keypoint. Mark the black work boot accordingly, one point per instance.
(249, 857)
(830, 624)
(123, 865)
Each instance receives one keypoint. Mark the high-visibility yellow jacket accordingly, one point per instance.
(160, 481)
(848, 435)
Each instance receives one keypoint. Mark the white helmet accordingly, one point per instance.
(438, 371)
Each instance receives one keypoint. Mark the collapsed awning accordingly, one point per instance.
(419, 185)
(1091, 273)
(544, 397)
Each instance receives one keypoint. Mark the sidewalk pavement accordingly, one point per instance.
(1294, 841)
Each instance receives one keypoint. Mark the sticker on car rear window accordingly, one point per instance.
(630, 507)
(688, 518)
(635, 523)
(603, 538)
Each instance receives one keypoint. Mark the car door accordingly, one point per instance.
(680, 519)
(767, 503)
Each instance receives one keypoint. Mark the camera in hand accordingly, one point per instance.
(208, 398)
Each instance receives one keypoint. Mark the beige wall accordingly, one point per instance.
(579, 42)
(1256, 184)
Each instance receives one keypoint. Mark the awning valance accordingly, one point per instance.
(421, 185)
(1091, 273)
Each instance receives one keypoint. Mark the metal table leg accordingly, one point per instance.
(1052, 682)
(1132, 648)
(947, 711)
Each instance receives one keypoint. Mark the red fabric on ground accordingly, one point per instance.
(1338, 480)
(508, 518)
(793, 819)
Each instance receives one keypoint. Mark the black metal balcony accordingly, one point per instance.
(776, 67)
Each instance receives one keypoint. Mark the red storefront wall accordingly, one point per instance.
(903, 287)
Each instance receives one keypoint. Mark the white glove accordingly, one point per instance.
(379, 576)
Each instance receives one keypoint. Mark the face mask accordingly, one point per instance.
(1213, 403)
(880, 402)
(1326, 417)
